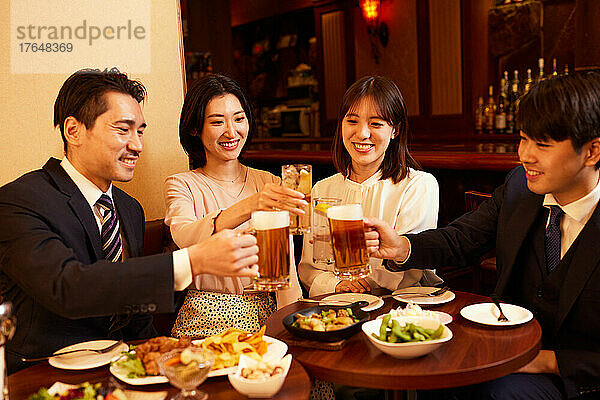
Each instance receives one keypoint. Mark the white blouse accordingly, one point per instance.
(410, 206)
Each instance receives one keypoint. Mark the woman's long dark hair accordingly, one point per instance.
(389, 102)
(192, 113)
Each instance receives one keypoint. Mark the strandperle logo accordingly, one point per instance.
(62, 36)
(85, 31)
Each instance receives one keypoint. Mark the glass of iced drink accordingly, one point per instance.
(322, 252)
(299, 177)
(348, 242)
(272, 230)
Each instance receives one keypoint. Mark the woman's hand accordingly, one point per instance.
(276, 197)
(358, 286)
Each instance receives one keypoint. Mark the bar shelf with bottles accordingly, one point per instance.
(497, 115)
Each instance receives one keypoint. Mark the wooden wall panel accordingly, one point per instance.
(446, 57)
(399, 59)
(334, 61)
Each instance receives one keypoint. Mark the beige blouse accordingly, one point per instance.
(193, 201)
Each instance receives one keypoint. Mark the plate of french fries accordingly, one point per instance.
(227, 346)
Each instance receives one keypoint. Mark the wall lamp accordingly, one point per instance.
(371, 11)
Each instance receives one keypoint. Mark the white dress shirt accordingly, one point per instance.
(577, 214)
(182, 270)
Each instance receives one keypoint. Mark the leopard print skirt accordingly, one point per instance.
(209, 313)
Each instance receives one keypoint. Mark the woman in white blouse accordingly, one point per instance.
(375, 170)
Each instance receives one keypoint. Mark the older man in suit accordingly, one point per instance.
(70, 242)
(545, 224)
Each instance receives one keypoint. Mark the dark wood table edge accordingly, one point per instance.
(20, 385)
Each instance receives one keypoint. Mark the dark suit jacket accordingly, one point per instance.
(504, 222)
(54, 273)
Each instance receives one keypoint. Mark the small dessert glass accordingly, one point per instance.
(187, 377)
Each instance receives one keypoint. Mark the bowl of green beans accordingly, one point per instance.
(406, 338)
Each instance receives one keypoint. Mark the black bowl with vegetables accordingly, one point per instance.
(346, 322)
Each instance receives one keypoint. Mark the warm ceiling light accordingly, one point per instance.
(370, 9)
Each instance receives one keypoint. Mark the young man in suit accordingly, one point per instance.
(71, 242)
(544, 223)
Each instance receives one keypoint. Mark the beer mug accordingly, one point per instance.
(348, 242)
(322, 252)
(298, 177)
(272, 231)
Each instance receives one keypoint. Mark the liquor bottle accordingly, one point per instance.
(528, 82)
(566, 70)
(540, 76)
(490, 111)
(479, 115)
(516, 90)
(554, 71)
(500, 118)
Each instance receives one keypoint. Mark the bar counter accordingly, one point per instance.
(473, 156)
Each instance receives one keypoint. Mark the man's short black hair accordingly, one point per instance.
(563, 107)
(82, 96)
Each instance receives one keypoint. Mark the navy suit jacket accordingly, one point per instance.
(53, 271)
(504, 222)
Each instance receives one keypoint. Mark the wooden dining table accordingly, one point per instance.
(23, 383)
(476, 353)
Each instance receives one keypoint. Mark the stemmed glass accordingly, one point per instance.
(186, 371)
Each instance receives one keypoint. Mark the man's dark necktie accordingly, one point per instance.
(552, 238)
(110, 235)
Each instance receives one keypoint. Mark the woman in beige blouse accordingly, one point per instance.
(220, 192)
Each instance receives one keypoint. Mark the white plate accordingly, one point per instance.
(87, 359)
(276, 349)
(487, 314)
(423, 300)
(352, 297)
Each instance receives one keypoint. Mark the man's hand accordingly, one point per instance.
(544, 363)
(383, 242)
(357, 286)
(227, 253)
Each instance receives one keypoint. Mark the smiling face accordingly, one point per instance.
(555, 167)
(110, 148)
(366, 137)
(225, 128)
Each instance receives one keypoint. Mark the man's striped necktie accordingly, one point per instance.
(110, 234)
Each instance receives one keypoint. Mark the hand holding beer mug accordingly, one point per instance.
(272, 230)
(348, 242)
(298, 177)
(322, 252)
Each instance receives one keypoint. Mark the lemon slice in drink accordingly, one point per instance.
(305, 183)
(321, 209)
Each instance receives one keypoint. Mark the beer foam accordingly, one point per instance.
(347, 212)
(263, 220)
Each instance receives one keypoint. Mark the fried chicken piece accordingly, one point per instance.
(149, 351)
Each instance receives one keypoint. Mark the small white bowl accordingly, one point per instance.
(259, 388)
(410, 349)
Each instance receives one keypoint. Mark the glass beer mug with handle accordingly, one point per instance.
(348, 242)
(322, 252)
(272, 231)
(298, 177)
